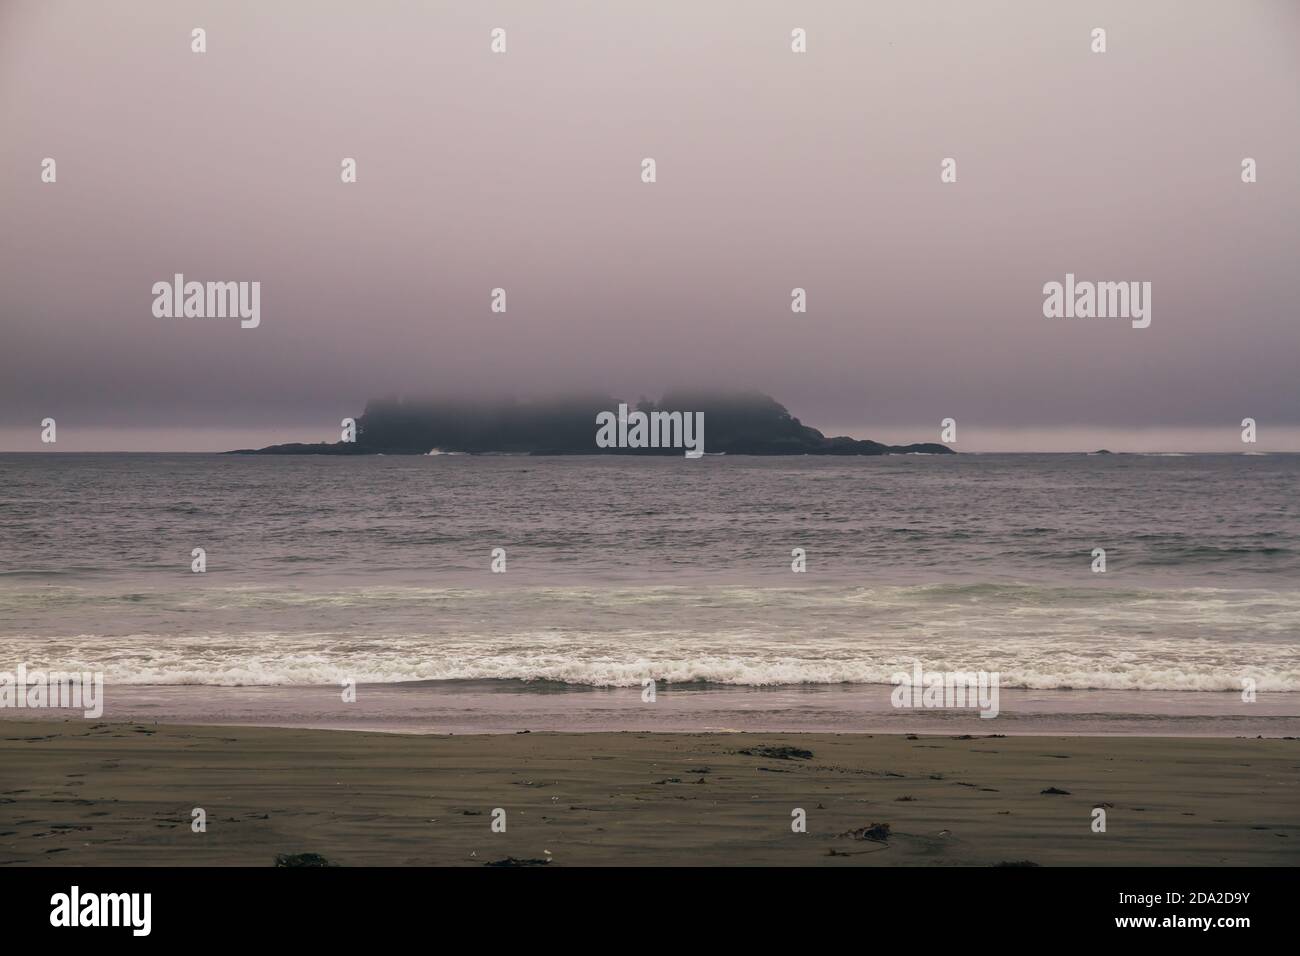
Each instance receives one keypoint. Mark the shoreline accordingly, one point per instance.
(100, 793)
(509, 706)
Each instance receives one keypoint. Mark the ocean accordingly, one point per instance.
(378, 570)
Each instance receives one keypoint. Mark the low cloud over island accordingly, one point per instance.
(736, 423)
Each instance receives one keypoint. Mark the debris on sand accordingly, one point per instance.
(302, 859)
(778, 753)
(877, 833)
(514, 861)
(1056, 790)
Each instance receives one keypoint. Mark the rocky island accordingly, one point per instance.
(748, 423)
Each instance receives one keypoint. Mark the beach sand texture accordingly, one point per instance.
(80, 793)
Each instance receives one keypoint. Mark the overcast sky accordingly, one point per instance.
(775, 170)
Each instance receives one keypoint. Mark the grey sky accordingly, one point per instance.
(775, 170)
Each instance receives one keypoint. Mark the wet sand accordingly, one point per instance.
(504, 706)
(83, 793)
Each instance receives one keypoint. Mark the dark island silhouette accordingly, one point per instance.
(743, 423)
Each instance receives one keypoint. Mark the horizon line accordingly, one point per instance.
(972, 438)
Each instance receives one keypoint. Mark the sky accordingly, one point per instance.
(774, 170)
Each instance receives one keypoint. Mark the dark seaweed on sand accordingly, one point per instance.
(778, 753)
(302, 859)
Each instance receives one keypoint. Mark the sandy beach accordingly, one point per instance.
(82, 793)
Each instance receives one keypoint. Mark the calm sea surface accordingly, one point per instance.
(377, 569)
